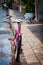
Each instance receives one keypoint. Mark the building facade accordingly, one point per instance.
(39, 10)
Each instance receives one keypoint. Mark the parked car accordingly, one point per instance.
(28, 16)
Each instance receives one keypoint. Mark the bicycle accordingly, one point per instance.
(18, 41)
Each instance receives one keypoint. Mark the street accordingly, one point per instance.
(37, 30)
(32, 49)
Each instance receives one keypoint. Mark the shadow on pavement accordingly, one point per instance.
(22, 58)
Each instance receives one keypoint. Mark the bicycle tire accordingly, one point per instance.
(18, 47)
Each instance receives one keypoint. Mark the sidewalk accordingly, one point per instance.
(32, 46)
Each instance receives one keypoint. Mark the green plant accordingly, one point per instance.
(30, 5)
(9, 3)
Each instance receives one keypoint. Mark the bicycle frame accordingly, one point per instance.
(17, 32)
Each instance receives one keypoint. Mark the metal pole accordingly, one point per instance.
(20, 5)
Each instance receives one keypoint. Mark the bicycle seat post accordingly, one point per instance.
(19, 26)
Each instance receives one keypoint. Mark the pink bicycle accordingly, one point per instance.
(18, 41)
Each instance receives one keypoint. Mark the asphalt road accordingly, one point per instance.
(37, 30)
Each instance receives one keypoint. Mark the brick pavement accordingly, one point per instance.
(32, 46)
